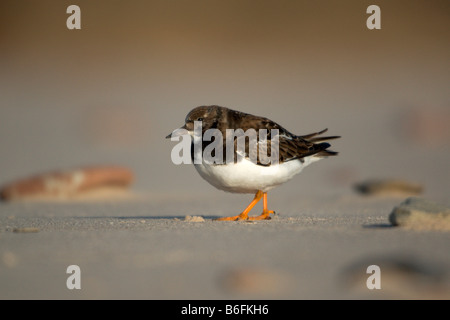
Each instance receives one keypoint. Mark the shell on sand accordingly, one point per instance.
(66, 184)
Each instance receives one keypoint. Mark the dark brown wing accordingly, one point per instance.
(263, 153)
(290, 146)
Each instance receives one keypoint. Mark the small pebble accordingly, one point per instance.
(194, 219)
(26, 230)
(389, 187)
(420, 213)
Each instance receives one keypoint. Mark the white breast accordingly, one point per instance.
(247, 177)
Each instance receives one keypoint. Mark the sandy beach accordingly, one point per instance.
(109, 93)
(129, 251)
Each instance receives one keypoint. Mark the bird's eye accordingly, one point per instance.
(200, 119)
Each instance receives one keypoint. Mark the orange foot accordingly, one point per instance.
(265, 215)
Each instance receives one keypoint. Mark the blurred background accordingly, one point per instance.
(111, 92)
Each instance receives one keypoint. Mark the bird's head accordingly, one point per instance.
(207, 115)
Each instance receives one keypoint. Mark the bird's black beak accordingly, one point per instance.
(177, 132)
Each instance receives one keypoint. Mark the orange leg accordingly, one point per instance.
(265, 215)
(244, 215)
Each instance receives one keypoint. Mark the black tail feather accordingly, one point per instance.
(308, 136)
(312, 137)
(323, 138)
(326, 153)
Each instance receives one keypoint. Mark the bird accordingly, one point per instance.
(247, 173)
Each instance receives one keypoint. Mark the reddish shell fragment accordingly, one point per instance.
(67, 183)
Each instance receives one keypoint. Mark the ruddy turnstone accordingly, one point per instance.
(247, 172)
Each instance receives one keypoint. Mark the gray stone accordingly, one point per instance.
(420, 213)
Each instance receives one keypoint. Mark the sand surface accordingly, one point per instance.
(110, 92)
(146, 250)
